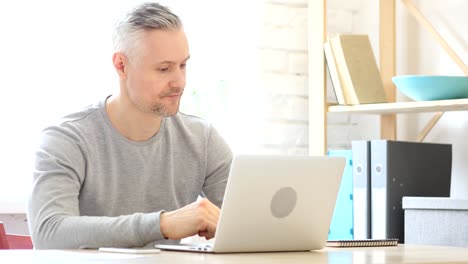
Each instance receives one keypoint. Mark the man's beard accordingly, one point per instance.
(159, 110)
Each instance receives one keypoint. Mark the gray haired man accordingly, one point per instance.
(127, 171)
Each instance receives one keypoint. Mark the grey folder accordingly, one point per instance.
(361, 189)
(405, 169)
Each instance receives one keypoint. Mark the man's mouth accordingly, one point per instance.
(176, 93)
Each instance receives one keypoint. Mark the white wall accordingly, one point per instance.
(283, 78)
(418, 53)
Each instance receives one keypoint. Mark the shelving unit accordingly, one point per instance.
(402, 107)
(319, 108)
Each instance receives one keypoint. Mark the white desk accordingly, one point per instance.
(399, 254)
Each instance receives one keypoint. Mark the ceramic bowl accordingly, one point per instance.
(432, 87)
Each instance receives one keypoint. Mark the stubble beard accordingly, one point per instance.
(160, 110)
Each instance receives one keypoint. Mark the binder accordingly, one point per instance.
(361, 189)
(341, 226)
(404, 169)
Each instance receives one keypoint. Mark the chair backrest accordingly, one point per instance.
(12, 241)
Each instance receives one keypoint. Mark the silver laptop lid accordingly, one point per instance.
(278, 203)
(275, 203)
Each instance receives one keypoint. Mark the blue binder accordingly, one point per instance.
(342, 222)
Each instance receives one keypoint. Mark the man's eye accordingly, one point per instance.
(183, 66)
(163, 69)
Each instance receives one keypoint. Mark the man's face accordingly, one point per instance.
(156, 74)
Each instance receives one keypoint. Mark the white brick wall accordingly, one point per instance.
(274, 60)
(284, 77)
(302, 3)
(284, 38)
(280, 83)
(298, 63)
(284, 66)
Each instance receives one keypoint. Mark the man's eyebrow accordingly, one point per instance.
(173, 62)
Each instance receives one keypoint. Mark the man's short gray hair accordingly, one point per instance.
(147, 16)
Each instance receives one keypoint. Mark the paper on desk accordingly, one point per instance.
(62, 256)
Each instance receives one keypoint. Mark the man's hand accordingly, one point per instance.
(200, 217)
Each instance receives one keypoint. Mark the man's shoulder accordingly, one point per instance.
(76, 120)
(188, 127)
(70, 130)
(190, 121)
(81, 114)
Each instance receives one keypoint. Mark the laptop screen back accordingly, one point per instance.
(278, 203)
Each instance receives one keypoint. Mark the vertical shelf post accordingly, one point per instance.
(317, 25)
(388, 64)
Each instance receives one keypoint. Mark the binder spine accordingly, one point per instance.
(379, 190)
(361, 189)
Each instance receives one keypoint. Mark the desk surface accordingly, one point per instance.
(399, 254)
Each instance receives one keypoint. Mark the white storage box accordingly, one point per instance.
(436, 221)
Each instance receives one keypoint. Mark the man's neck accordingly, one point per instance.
(130, 121)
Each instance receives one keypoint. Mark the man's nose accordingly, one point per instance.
(178, 78)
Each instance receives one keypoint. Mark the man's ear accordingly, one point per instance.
(120, 64)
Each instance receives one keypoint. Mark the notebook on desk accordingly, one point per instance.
(275, 203)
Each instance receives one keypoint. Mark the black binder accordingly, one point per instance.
(400, 169)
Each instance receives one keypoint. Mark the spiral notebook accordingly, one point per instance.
(363, 242)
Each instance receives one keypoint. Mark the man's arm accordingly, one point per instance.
(200, 217)
(53, 209)
(219, 159)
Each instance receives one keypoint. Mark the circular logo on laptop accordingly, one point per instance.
(283, 202)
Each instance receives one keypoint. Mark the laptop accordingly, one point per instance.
(275, 203)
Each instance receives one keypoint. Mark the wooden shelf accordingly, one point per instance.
(403, 107)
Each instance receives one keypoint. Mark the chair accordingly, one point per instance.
(12, 241)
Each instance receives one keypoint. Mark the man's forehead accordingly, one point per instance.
(166, 46)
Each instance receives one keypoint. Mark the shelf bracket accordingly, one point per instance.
(422, 135)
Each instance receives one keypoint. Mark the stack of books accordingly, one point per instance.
(353, 70)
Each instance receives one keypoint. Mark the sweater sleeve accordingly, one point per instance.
(219, 158)
(53, 209)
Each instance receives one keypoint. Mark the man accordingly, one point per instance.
(127, 171)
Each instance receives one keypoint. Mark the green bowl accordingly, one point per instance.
(432, 87)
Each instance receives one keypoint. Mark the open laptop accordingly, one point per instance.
(275, 203)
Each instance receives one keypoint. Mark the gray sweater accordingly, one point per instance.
(95, 188)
